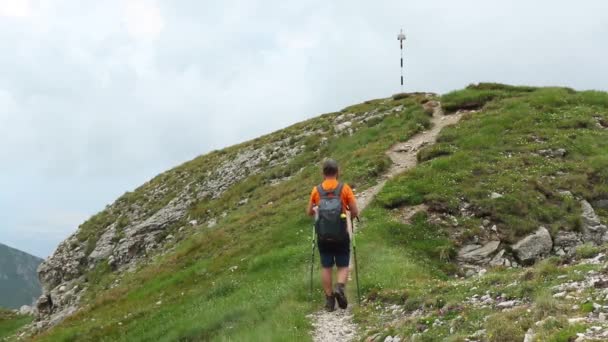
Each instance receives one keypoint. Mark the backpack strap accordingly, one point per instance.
(322, 191)
(338, 190)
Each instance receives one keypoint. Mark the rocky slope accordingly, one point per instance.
(142, 223)
(18, 279)
(218, 248)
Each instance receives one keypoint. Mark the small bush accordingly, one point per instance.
(545, 305)
(587, 307)
(508, 326)
(433, 152)
(547, 267)
(587, 251)
(469, 99)
(500, 86)
(400, 96)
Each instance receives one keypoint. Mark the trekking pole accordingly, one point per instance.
(354, 242)
(312, 260)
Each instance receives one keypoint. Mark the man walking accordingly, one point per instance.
(331, 202)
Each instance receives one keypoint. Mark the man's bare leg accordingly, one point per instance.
(326, 280)
(342, 275)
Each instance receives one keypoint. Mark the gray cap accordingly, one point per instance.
(330, 167)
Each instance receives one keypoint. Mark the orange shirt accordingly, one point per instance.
(346, 196)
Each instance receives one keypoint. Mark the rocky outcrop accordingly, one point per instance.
(565, 242)
(593, 230)
(144, 223)
(533, 246)
(478, 254)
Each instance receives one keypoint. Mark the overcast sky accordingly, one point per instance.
(96, 97)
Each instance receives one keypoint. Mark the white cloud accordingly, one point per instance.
(143, 19)
(15, 8)
(96, 97)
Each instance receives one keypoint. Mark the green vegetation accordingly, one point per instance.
(10, 323)
(586, 251)
(499, 150)
(494, 150)
(246, 278)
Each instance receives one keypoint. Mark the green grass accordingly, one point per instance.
(494, 150)
(497, 151)
(10, 323)
(247, 278)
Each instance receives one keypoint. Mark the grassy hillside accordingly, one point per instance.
(10, 323)
(245, 279)
(493, 150)
(18, 279)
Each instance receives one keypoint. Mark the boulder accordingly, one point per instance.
(602, 204)
(565, 242)
(499, 260)
(593, 229)
(343, 126)
(44, 304)
(477, 254)
(533, 246)
(26, 310)
(105, 245)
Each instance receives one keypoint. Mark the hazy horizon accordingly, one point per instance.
(99, 97)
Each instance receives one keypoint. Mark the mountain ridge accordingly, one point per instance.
(218, 248)
(19, 283)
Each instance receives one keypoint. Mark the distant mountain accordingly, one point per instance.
(19, 283)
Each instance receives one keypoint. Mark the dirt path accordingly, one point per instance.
(338, 326)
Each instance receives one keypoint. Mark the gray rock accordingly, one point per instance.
(104, 246)
(506, 304)
(602, 204)
(342, 126)
(593, 230)
(567, 239)
(565, 242)
(477, 254)
(26, 310)
(533, 246)
(498, 259)
(60, 316)
(44, 304)
(529, 337)
(560, 152)
(495, 195)
(65, 264)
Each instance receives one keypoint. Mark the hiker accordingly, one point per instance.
(333, 203)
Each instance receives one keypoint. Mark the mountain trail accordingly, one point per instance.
(338, 326)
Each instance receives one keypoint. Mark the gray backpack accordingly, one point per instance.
(330, 226)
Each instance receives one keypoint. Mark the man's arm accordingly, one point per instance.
(354, 210)
(312, 203)
(311, 209)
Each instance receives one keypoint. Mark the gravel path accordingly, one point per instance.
(338, 326)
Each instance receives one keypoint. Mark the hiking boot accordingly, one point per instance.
(340, 296)
(330, 303)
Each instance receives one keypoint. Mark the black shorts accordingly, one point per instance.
(333, 253)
